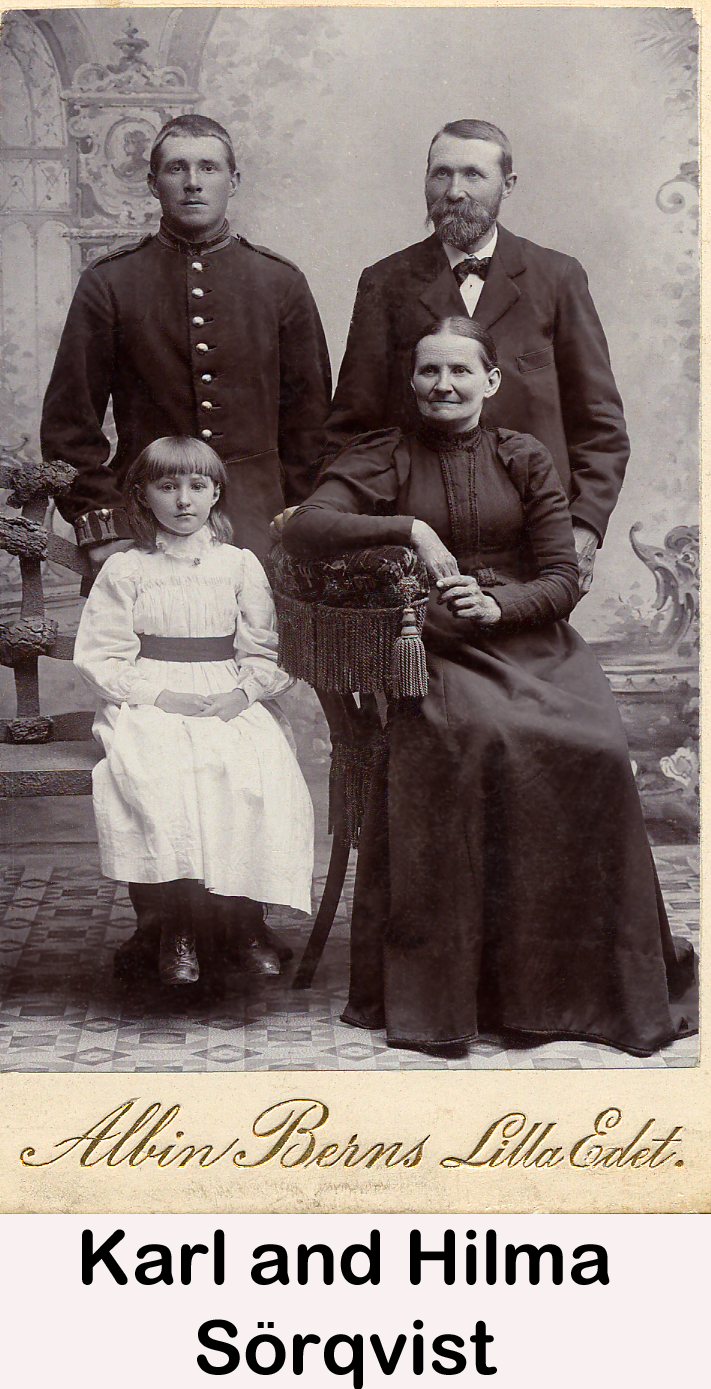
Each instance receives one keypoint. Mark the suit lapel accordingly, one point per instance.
(500, 291)
(442, 297)
(441, 292)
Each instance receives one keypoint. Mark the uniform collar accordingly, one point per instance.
(216, 242)
(190, 548)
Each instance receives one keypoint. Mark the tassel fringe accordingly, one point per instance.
(349, 649)
(350, 778)
(409, 665)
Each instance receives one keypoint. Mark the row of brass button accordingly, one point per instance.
(202, 347)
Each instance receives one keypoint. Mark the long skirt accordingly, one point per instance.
(223, 803)
(505, 879)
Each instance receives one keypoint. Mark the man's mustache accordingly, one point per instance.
(463, 212)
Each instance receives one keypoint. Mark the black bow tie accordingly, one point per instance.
(471, 266)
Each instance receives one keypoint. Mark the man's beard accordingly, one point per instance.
(462, 224)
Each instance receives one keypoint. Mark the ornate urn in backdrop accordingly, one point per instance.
(656, 682)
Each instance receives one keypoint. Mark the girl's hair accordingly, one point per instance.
(462, 328)
(172, 457)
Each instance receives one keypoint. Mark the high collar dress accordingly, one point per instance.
(505, 879)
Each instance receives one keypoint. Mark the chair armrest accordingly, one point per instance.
(342, 618)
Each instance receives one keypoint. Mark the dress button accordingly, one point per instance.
(198, 321)
(206, 404)
(197, 293)
(196, 265)
(201, 347)
(207, 376)
(206, 433)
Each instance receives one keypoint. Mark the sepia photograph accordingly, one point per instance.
(349, 540)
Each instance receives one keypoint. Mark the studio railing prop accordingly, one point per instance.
(39, 756)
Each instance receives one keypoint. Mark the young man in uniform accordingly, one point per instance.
(196, 332)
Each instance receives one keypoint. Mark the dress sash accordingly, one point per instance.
(188, 648)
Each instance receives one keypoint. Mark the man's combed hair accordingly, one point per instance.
(195, 127)
(479, 130)
(172, 456)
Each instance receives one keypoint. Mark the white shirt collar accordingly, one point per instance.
(454, 255)
(186, 547)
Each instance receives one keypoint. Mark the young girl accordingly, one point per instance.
(199, 784)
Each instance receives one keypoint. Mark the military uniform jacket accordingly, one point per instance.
(557, 382)
(221, 342)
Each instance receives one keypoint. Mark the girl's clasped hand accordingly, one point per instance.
(221, 706)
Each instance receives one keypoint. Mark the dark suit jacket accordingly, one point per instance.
(224, 344)
(557, 383)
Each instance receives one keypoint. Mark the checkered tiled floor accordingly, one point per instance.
(62, 1010)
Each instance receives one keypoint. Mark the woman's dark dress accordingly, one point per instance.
(504, 876)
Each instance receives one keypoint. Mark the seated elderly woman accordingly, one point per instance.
(505, 879)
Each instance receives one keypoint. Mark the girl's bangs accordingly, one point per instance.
(178, 460)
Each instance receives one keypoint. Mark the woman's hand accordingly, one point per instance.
(172, 702)
(225, 706)
(427, 544)
(465, 599)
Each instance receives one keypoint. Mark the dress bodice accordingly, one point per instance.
(494, 499)
(464, 491)
(188, 587)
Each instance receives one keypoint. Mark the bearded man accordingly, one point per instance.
(556, 378)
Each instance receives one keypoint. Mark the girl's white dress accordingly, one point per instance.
(185, 797)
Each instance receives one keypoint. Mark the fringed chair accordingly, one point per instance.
(350, 625)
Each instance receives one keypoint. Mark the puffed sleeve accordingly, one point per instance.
(106, 647)
(256, 634)
(356, 490)
(549, 531)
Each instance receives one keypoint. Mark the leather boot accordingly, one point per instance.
(178, 962)
(138, 956)
(244, 939)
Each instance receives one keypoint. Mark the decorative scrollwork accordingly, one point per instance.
(114, 112)
(131, 73)
(669, 198)
(675, 566)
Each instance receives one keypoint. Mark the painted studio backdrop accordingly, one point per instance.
(332, 112)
